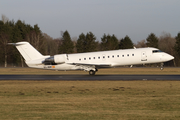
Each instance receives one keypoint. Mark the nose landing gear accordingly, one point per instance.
(162, 66)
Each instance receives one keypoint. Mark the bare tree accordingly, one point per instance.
(4, 39)
(166, 43)
(36, 40)
(4, 19)
(141, 44)
(51, 45)
(74, 40)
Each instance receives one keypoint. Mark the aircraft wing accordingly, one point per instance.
(92, 65)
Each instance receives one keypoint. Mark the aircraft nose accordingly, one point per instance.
(171, 57)
(168, 57)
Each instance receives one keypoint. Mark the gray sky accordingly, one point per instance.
(135, 18)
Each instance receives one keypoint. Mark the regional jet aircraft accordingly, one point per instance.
(91, 61)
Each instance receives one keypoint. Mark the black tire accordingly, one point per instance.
(92, 72)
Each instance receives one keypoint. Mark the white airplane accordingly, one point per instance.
(91, 61)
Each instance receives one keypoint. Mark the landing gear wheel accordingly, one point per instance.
(92, 72)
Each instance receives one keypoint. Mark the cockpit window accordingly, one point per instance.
(156, 51)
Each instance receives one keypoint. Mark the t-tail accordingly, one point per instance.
(33, 58)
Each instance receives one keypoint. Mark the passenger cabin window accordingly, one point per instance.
(156, 51)
(128, 55)
(132, 54)
(79, 59)
(117, 55)
(113, 56)
(89, 58)
(84, 58)
(98, 57)
(122, 55)
(108, 56)
(94, 57)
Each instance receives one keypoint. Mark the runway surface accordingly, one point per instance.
(90, 78)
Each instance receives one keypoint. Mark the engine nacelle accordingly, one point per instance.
(60, 58)
(57, 59)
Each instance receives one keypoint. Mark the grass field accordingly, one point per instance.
(87, 100)
(107, 100)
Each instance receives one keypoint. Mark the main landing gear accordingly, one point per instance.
(92, 72)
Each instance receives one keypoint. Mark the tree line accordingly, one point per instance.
(12, 32)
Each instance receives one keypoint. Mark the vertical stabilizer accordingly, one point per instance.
(28, 52)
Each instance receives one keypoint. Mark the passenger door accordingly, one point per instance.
(143, 56)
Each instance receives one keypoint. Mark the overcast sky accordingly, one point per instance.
(135, 18)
